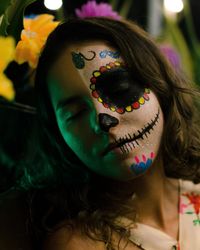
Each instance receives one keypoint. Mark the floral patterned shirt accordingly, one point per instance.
(149, 238)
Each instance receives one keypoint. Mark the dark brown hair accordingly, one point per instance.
(81, 197)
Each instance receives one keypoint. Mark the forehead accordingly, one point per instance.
(85, 56)
(74, 68)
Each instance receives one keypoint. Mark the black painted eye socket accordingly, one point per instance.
(118, 88)
(121, 87)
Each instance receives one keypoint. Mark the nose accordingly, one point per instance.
(107, 121)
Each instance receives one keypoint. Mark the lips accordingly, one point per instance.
(112, 146)
(144, 132)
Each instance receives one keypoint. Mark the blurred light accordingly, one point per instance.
(53, 4)
(173, 5)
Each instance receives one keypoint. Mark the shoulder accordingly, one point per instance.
(66, 239)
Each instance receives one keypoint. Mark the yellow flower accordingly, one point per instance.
(7, 52)
(33, 38)
(6, 88)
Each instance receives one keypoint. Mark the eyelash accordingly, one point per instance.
(77, 115)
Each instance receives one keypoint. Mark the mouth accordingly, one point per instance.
(128, 142)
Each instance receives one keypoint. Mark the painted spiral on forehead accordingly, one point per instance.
(96, 93)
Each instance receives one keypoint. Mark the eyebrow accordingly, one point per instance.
(67, 101)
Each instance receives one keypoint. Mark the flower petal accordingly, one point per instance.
(93, 9)
(7, 51)
(33, 38)
(6, 88)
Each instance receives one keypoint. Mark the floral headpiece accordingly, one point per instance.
(28, 49)
(93, 9)
(33, 38)
(7, 53)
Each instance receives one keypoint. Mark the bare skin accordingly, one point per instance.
(65, 240)
(158, 200)
(157, 203)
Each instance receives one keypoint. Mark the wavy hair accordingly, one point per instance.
(75, 193)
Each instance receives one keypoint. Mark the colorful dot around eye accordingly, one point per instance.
(141, 100)
(146, 97)
(147, 91)
(112, 65)
(120, 110)
(92, 86)
(128, 108)
(96, 73)
(95, 94)
(102, 69)
(105, 105)
(100, 100)
(136, 105)
(93, 80)
(117, 63)
(112, 109)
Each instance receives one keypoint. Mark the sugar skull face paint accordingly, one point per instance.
(113, 54)
(141, 165)
(130, 141)
(113, 81)
(107, 142)
(78, 59)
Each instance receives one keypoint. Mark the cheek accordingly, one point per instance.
(77, 135)
(149, 109)
(149, 150)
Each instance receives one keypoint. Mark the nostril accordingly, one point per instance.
(107, 121)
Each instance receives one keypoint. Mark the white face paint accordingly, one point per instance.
(110, 121)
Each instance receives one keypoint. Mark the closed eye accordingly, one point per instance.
(76, 115)
(121, 88)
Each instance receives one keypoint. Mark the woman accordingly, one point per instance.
(119, 130)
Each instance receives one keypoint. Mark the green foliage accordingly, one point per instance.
(189, 50)
(125, 8)
(174, 36)
(12, 20)
(114, 4)
(4, 5)
(193, 41)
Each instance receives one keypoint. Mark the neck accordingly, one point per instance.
(157, 199)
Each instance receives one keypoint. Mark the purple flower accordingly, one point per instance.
(93, 9)
(172, 55)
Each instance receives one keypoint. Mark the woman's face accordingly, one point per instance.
(112, 122)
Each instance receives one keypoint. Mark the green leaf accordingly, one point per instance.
(192, 40)
(192, 36)
(114, 4)
(196, 222)
(189, 212)
(174, 36)
(125, 8)
(4, 5)
(12, 22)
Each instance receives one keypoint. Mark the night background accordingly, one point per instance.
(17, 122)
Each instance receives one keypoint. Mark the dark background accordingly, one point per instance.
(16, 126)
(138, 11)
